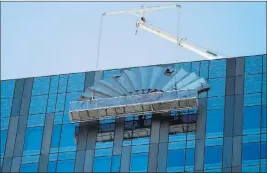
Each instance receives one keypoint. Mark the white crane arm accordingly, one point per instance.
(142, 10)
(179, 41)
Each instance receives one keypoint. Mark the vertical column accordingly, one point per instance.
(228, 116)
(7, 163)
(237, 150)
(24, 111)
(227, 153)
(162, 157)
(27, 92)
(200, 135)
(89, 161)
(125, 159)
(82, 136)
(117, 147)
(22, 126)
(79, 161)
(43, 163)
(154, 140)
(81, 146)
(163, 146)
(90, 146)
(47, 134)
(16, 164)
(238, 115)
(16, 103)
(11, 137)
(18, 92)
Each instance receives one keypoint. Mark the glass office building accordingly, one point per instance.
(226, 134)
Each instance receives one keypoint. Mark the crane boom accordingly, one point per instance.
(179, 41)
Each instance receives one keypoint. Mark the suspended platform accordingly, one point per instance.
(139, 91)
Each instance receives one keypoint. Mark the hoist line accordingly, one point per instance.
(98, 53)
(177, 36)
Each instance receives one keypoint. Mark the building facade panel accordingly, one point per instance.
(228, 134)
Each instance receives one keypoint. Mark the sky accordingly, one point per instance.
(49, 38)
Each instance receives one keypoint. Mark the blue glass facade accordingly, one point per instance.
(226, 134)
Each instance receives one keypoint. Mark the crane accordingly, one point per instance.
(182, 42)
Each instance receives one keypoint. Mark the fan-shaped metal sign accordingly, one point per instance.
(138, 91)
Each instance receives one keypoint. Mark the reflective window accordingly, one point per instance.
(190, 156)
(253, 64)
(102, 164)
(40, 86)
(252, 84)
(215, 102)
(71, 97)
(176, 145)
(264, 168)
(51, 105)
(140, 141)
(264, 64)
(196, 67)
(53, 84)
(103, 152)
(104, 144)
(36, 120)
(251, 138)
(204, 69)
(3, 141)
(139, 162)
(217, 87)
(38, 104)
(251, 120)
(65, 143)
(29, 167)
(252, 99)
(62, 86)
(52, 167)
(186, 66)
(76, 82)
(33, 141)
(30, 159)
(65, 166)
(140, 148)
(53, 157)
(66, 118)
(263, 150)
(116, 164)
(213, 157)
(213, 170)
(215, 123)
(58, 118)
(177, 137)
(6, 105)
(214, 141)
(109, 73)
(60, 102)
(250, 168)
(264, 87)
(263, 120)
(4, 123)
(66, 155)
(217, 68)
(175, 160)
(250, 153)
(264, 99)
(7, 89)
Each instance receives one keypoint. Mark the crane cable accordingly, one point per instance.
(177, 36)
(98, 54)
